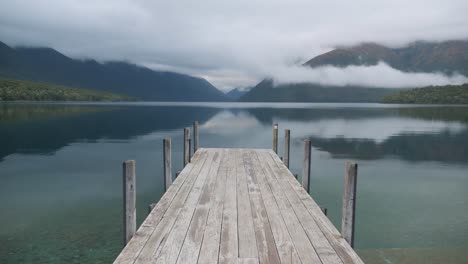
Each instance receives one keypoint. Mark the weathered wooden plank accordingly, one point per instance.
(320, 243)
(141, 237)
(209, 251)
(229, 247)
(186, 198)
(301, 242)
(247, 261)
(341, 247)
(247, 240)
(129, 200)
(267, 251)
(167, 163)
(199, 194)
(349, 202)
(286, 250)
(238, 261)
(193, 240)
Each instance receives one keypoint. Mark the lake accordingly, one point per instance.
(61, 179)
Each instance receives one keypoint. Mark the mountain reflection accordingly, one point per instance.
(44, 129)
(408, 133)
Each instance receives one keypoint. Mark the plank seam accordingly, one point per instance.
(178, 213)
(281, 214)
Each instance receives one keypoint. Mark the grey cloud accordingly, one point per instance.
(231, 43)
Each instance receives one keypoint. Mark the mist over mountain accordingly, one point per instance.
(447, 57)
(340, 75)
(49, 65)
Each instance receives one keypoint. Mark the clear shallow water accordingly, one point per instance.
(60, 171)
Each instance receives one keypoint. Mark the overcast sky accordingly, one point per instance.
(234, 43)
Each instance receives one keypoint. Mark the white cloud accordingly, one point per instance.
(380, 75)
(231, 43)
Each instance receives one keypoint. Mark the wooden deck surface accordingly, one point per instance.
(236, 206)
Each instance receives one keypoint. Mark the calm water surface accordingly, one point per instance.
(60, 171)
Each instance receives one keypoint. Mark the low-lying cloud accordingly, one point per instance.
(381, 75)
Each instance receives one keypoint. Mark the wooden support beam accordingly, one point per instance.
(186, 146)
(349, 202)
(195, 136)
(306, 165)
(286, 151)
(129, 200)
(167, 160)
(275, 138)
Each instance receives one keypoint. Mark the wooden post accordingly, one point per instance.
(287, 141)
(167, 157)
(129, 200)
(190, 150)
(306, 165)
(275, 138)
(349, 202)
(186, 146)
(195, 136)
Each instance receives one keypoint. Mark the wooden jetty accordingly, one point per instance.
(238, 206)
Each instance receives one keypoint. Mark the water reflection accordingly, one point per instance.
(412, 134)
(64, 207)
(47, 128)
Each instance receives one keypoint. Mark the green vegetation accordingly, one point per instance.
(18, 90)
(449, 94)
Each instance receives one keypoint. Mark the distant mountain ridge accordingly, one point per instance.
(49, 65)
(236, 93)
(447, 57)
(266, 91)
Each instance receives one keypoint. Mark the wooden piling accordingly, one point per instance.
(349, 202)
(286, 151)
(195, 136)
(186, 146)
(167, 160)
(306, 165)
(275, 138)
(129, 200)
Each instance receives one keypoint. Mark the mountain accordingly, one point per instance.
(266, 91)
(49, 65)
(236, 93)
(448, 57)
